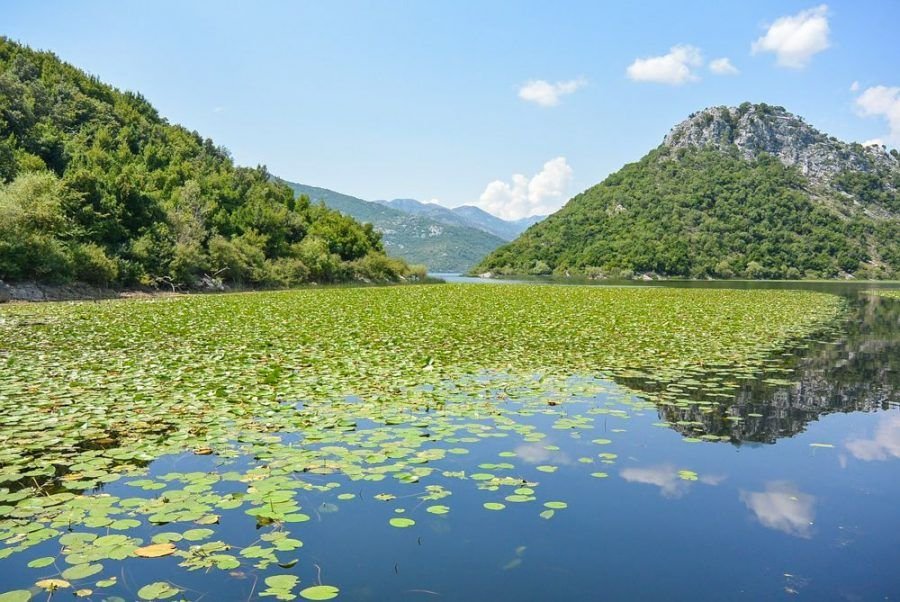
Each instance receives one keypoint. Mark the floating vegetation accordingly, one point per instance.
(887, 293)
(290, 401)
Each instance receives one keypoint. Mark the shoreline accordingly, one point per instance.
(36, 292)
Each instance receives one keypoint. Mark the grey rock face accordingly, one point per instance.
(755, 129)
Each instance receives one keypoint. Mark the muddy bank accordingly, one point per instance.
(34, 291)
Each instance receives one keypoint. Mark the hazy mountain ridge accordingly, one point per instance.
(750, 191)
(417, 238)
(467, 215)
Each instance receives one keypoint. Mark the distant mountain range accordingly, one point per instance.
(750, 192)
(444, 240)
(466, 215)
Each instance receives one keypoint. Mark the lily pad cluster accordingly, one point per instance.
(295, 396)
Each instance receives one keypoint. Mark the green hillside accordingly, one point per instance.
(418, 239)
(703, 205)
(96, 186)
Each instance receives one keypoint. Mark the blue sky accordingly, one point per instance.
(431, 100)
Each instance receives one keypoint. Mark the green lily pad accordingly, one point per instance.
(80, 571)
(159, 590)
(319, 592)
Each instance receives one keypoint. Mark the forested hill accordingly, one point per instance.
(417, 238)
(96, 186)
(750, 191)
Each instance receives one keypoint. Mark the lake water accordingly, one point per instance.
(781, 491)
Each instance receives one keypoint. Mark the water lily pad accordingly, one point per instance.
(80, 571)
(53, 584)
(319, 592)
(402, 523)
(156, 550)
(159, 590)
(197, 534)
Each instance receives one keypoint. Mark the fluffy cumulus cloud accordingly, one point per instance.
(782, 507)
(545, 94)
(854, 87)
(882, 101)
(885, 443)
(664, 477)
(667, 478)
(675, 68)
(723, 66)
(540, 194)
(795, 39)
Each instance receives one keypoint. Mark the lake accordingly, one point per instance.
(701, 441)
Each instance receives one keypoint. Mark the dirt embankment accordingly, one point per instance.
(34, 291)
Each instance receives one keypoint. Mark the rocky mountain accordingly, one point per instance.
(756, 129)
(418, 237)
(467, 215)
(749, 191)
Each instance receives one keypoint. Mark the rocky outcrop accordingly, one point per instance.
(759, 128)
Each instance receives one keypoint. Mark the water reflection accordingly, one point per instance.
(884, 444)
(665, 477)
(672, 482)
(858, 371)
(783, 507)
(534, 453)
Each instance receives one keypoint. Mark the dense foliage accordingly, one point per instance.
(704, 213)
(96, 186)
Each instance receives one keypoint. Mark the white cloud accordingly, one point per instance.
(796, 38)
(874, 142)
(674, 68)
(546, 94)
(882, 101)
(668, 478)
(782, 507)
(723, 66)
(541, 194)
(854, 87)
(664, 477)
(883, 445)
(534, 453)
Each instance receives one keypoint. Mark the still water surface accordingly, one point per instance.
(798, 498)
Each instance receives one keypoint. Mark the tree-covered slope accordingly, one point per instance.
(96, 186)
(727, 204)
(418, 238)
